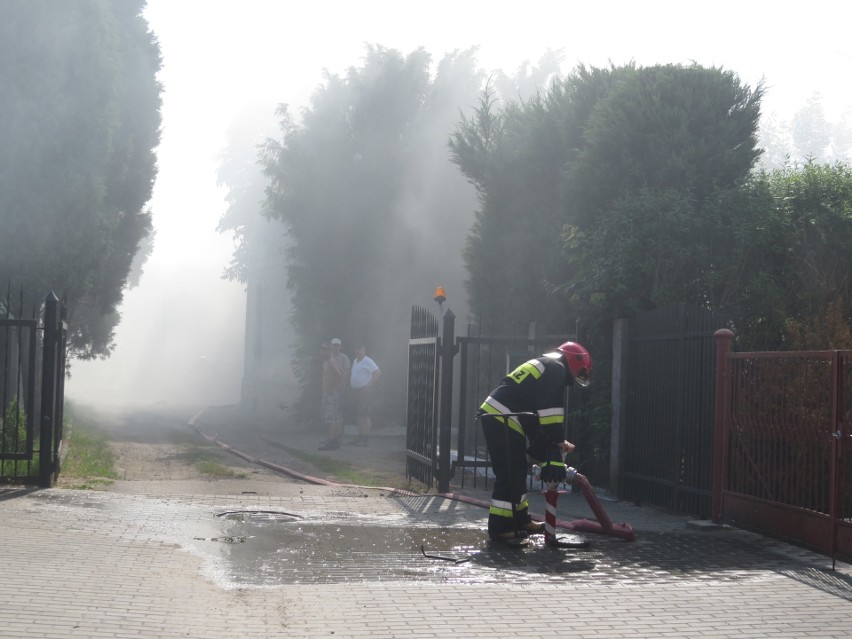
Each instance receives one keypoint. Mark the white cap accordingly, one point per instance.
(337, 341)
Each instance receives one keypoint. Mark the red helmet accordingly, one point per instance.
(579, 362)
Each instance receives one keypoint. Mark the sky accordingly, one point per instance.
(222, 57)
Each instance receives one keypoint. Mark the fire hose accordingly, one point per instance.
(572, 477)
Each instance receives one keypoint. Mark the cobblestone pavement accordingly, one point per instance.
(336, 561)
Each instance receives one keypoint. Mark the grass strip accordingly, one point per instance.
(213, 468)
(347, 473)
(208, 461)
(89, 458)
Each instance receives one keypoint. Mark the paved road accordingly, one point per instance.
(322, 560)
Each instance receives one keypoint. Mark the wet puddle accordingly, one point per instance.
(275, 548)
(267, 550)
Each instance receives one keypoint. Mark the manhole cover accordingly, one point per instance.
(259, 516)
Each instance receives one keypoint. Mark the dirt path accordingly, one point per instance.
(158, 452)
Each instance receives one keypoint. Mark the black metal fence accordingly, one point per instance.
(483, 362)
(438, 448)
(32, 388)
(666, 440)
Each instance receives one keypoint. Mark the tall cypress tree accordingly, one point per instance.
(79, 122)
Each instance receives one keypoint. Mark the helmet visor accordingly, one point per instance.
(583, 376)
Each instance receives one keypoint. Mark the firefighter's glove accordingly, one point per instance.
(553, 472)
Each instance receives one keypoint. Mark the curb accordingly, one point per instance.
(262, 462)
(324, 482)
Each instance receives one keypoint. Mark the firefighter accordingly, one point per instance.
(536, 387)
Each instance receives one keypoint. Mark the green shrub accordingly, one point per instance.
(13, 439)
(13, 426)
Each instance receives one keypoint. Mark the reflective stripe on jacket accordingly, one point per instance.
(536, 386)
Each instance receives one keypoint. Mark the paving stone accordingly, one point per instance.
(321, 561)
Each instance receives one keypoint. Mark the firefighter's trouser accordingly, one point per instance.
(509, 510)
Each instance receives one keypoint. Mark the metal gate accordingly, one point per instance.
(666, 437)
(484, 361)
(784, 441)
(32, 376)
(436, 448)
(421, 439)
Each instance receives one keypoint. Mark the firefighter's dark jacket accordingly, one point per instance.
(536, 386)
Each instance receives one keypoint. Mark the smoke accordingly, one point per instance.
(179, 342)
(181, 338)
